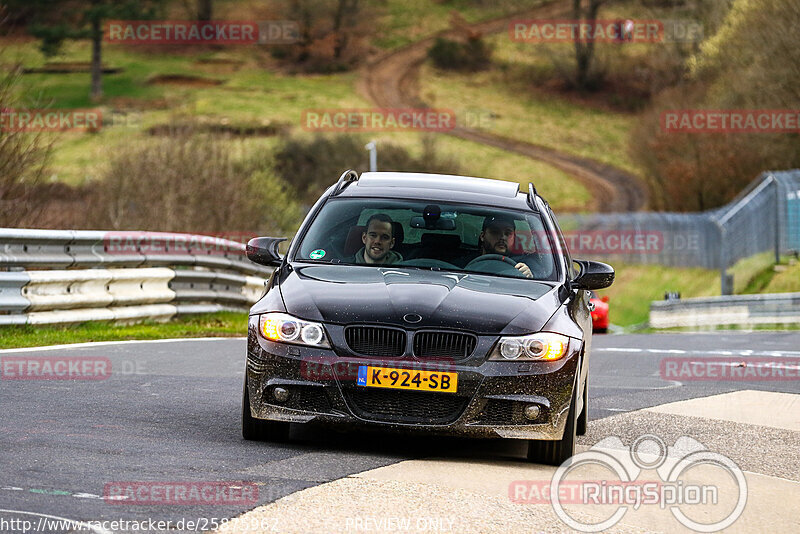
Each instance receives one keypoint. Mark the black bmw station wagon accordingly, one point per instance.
(436, 303)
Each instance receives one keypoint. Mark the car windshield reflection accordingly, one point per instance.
(421, 235)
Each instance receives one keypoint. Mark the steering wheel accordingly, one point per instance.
(491, 257)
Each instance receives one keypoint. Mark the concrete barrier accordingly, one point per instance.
(735, 310)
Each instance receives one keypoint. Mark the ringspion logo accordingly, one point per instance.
(687, 481)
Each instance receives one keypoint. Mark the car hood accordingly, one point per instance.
(384, 295)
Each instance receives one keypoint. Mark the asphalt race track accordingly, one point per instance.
(169, 412)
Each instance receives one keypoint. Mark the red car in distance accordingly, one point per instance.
(599, 312)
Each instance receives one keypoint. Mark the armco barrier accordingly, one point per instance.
(739, 310)
(66, 276)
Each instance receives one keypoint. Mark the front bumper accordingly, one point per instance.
(489, 402)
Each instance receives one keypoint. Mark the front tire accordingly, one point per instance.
(556, 452)
(258, 429)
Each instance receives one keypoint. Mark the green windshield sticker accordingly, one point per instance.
(316, 254)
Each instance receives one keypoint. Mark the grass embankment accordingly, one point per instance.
(248, 95)
(222, 324)
(636, 286)
(406, 21)
(519, 110)
(526, 89)
(781, 278)
(252, 92)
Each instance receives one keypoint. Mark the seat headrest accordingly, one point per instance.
(440, 240)
(353, 241)
(398, 233)
(516, 248)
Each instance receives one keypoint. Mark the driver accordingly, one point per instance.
(497, 237)
(378, 239)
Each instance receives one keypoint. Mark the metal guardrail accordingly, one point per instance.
(739, 310)
(66, 276)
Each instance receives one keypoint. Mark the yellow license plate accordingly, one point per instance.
(386, 377)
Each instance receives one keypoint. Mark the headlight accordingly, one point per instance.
(544, 346)
(284, 328)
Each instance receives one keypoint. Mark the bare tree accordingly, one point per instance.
(205, 10)
(346, 12)
(584, 51)
(189, 182)
(55, 21)
(23, 158)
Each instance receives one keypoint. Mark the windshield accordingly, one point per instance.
(430, 235)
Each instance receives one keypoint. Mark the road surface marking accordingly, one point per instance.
(760, 408)
(773, 353)
(107, 343)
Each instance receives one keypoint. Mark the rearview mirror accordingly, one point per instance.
(264, 250)
(593, 275)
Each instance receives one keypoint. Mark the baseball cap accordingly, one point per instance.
(504, 220)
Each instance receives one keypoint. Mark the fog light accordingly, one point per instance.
(532, 411)
(280, 394)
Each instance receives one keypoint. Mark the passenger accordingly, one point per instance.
(378, 239)
(497, 237)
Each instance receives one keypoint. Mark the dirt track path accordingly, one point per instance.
(392, 80)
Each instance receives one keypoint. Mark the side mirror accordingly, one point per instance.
(264, 250)
(593, 275)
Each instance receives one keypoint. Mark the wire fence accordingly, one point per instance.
(764, 217)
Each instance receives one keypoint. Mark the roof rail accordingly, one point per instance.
(347, 176)
(532, 195)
